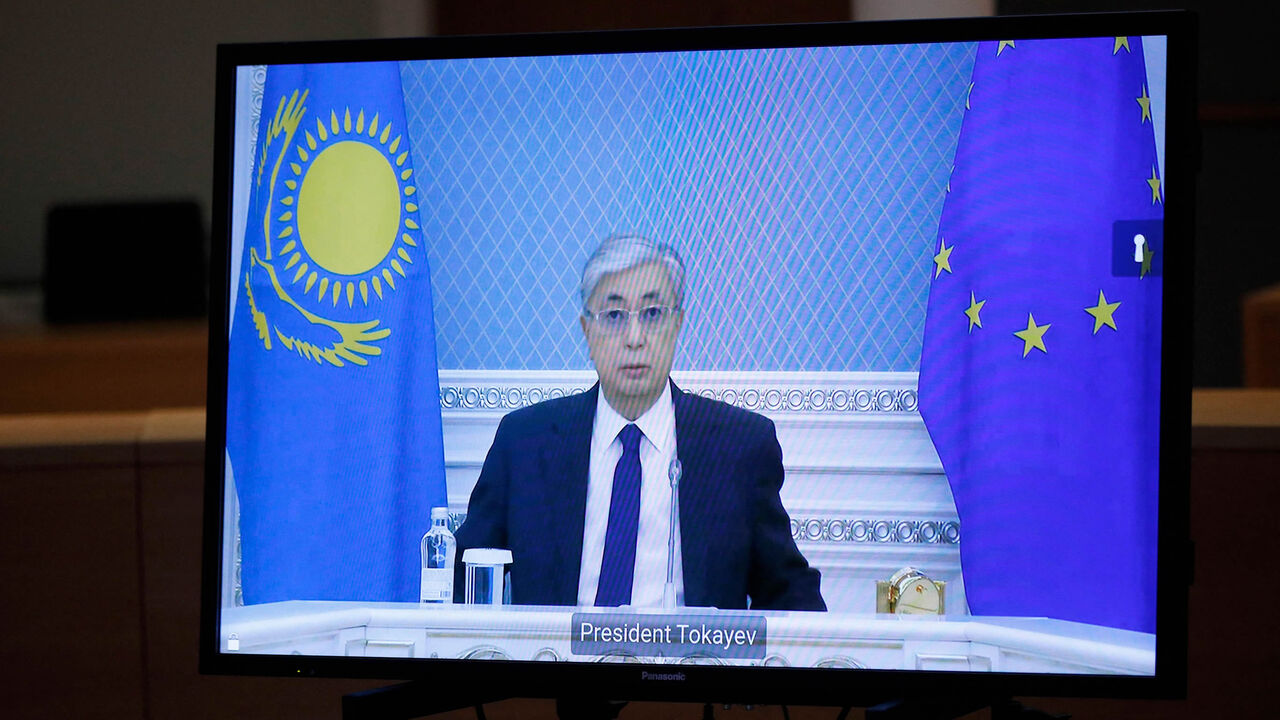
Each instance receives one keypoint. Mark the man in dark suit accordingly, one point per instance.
(580, 488)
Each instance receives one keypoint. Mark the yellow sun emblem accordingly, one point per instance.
(344, 221)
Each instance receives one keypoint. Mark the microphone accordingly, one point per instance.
(674, 471)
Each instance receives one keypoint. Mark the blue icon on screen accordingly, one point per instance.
(1137, 248)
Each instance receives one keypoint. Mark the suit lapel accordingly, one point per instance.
(567, 457)
(694, 439)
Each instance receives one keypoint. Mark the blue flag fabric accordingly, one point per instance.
(1040, 374)
(333, 401)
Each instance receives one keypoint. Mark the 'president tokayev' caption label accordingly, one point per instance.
(740, 637)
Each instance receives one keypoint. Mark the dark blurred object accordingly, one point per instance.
(1262, 338)
(124, 261)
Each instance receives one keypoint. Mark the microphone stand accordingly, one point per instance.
(669, 591)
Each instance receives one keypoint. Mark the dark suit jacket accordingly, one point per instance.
(735, 535)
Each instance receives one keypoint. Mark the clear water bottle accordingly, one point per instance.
(438, 549)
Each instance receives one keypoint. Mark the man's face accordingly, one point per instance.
(634, 360)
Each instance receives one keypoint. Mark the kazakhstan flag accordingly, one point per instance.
(333, 401)
(1040, 373)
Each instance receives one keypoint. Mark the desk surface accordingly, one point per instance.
(1235, 418)
(108, 367)
(802, 637)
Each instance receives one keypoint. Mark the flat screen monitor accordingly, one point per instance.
(795, 363)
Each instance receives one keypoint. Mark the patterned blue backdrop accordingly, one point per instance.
(802, 186)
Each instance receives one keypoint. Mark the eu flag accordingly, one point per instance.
(333, 402)
(1040, 374)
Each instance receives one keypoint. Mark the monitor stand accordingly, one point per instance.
(420, 698)
(948, 708)
(412, 699)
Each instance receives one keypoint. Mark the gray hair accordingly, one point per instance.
(623, 252)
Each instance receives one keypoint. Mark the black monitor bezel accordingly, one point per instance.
(757, 684)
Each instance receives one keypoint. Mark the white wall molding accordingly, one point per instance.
(824, 393)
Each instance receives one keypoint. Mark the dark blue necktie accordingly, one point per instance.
(618, 567)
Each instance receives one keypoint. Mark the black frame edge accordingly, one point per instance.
(768, 685)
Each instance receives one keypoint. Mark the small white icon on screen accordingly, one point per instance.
(233, 642)
(1138, 241)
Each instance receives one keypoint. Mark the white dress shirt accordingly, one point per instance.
(657, 450)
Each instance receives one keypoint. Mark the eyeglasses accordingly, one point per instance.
(616, 320)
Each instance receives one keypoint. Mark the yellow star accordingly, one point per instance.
(1033, 336)
(975, 307)
(1145, 102)
(1147, 254)
(943, 258)
(1003, 44)
(1121, 42)
(1154, 182)
(1103, 313)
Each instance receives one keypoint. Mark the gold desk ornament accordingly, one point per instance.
(911, 592)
